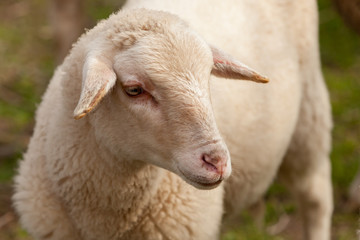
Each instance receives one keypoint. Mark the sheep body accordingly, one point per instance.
(278, 38)
(60, 187)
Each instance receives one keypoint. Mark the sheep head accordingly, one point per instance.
(159, 110)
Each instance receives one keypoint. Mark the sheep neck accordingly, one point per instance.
(105, 185)
(131, 184)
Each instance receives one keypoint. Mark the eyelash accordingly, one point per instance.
(134, 91)
(141, 96)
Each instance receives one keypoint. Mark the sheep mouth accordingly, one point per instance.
(209, 185)
(199, 182)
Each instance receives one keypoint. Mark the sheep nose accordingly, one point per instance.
(215, 162)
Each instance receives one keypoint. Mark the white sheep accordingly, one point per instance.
(145, 108)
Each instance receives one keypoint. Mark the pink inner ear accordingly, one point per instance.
(225, 66)
(223, 59)
(218, 56)
(218, 60)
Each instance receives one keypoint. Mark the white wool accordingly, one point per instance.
(105, 176)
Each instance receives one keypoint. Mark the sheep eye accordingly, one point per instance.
(134, 91)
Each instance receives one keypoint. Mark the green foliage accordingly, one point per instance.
(340, 52)
(21, 111)
(339, 45)
(344, 86)
(98, 10)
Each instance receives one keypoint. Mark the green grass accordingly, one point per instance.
(345, 99)
(340, 52)
(22, 80)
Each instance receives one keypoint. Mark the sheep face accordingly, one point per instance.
(159, 111)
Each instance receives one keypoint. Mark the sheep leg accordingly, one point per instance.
(257, 211)
(306, 167)
(313, 192)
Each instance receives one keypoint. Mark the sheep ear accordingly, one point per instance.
(225, 66)
(98, 79)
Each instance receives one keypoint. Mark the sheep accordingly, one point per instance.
(145, 156)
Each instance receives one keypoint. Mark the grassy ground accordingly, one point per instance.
(27, 63)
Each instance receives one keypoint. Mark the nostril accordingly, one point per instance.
(210, 162)
(214, 160)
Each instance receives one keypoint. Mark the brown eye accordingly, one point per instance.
(133, 91)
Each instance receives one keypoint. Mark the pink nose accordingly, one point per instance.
(215, 162)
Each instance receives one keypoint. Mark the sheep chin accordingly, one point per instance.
(200, 182)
